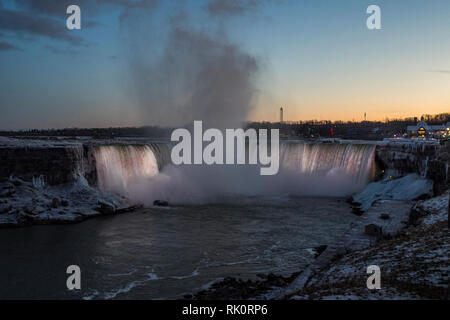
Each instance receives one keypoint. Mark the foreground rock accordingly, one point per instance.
(160, 203)
(238, 289)
(106, 208)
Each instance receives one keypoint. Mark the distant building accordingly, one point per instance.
(422, 129)
(281, 115)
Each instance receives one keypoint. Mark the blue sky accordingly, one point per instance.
(316, 58)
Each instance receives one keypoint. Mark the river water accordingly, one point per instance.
(164, 253)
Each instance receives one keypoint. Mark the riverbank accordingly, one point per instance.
(414, 265)
(30, 203)
(238, 289)
(414, 262)
(411, 249)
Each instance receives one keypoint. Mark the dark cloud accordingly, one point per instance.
(50, 7)
(224, 8)
(5, 46)
(29, 24)
(90, 7)
(46, 18)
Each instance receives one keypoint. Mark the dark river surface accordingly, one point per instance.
(165, 253)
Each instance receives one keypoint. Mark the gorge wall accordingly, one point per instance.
(428, 159)
(57, 163)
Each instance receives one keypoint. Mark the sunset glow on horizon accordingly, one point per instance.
(316, 59)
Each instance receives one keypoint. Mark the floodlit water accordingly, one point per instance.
(164, 253)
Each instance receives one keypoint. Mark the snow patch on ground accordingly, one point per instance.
(414, 261)
(413, 265)
(409, 187)
(25, 203)
(413, 144)
(433, 210)
(37, 143)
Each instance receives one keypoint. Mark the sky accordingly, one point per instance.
(146, 62)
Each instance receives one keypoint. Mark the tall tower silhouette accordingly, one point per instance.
(281, 115)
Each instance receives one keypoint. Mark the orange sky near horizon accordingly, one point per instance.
(336, 99)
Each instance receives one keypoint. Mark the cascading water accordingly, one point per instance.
(77, 153)
(354, 161)
(118, 167)
(162, 154)
(319, 169)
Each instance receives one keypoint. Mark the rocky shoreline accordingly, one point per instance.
(239, 289)
(412, 249)
(31, 203)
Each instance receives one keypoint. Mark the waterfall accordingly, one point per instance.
(120, 166)
(78, 156)
(352, 161)
(162, 154)
(425, 170)
(136, 171)
(446, 171)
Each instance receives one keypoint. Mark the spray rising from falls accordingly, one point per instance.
(144, 173)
